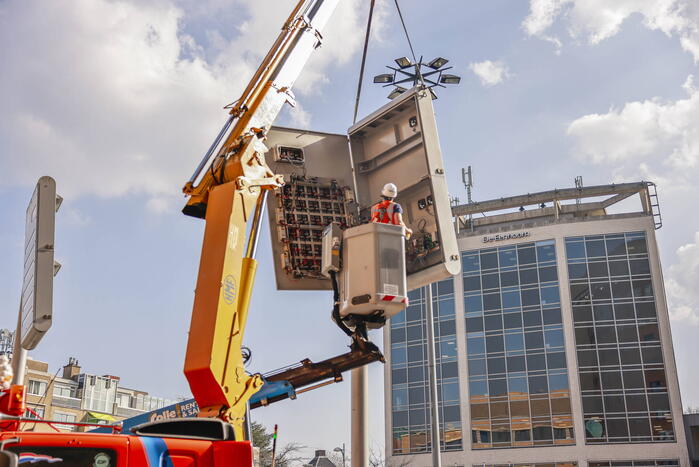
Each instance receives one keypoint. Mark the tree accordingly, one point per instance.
(376, 458)
(290, 453)
(262, 440)
(286, 455)
(336, 458)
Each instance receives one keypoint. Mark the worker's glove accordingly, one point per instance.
(5, 373)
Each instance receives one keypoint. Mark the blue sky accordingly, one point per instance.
(117, 100)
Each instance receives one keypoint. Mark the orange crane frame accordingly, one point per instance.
(231, 193)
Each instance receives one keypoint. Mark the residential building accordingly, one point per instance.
(74, 396)
(6, 342)
(553, 345)
(320, 460)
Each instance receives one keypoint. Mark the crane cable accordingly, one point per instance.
(366, 47)
(364, 53)
(407, 36)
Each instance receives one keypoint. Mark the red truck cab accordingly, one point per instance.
(173, 443)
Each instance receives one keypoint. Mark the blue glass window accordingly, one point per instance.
(550, 295)
(445, 309)
(514, 342)
(473, 304)
(508, 257)
(399, 355)
(575, 249)
(558, 382)
(554, 338)
(478, 388)
(471, 263)
(511, 299)
(447, 348)
(489, 260)
(476, 367)
(475, 345)
(450, 391)
(400, 398)
(546, 251)
(518, 385)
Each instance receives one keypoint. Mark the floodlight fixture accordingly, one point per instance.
(403, 62)
(438, 63)
(450, 79)
(383, 78)
(396, 92)
(427, 75)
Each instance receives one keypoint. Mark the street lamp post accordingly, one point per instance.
(433, 76)
(342, 450)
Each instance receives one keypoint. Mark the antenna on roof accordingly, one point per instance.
(467, 179)
(579, 186)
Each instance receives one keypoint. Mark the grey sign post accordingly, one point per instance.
(36, 305)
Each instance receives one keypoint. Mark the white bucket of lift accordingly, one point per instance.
(372, 279)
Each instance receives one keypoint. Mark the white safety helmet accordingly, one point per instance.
(389, 190)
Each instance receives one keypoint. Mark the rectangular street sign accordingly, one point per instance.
(37, 287)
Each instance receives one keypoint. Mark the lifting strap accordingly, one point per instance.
(366, 48)
(361, 68)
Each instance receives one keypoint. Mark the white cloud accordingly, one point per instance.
(597, 20)
(490, 73)
(300, 117)
(75, 217)
(659, 141)
(681, 283)
(343, 36)
(113, 98)
(541, 17)
(651, 137)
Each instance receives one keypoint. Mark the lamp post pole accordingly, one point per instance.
(360, 417)
(432, 368)
(342, 450)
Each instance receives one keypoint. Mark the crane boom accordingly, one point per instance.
(229, 189)
(254, 112)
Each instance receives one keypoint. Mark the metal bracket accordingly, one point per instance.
(266, 182)
(290, 97)
(9, 440)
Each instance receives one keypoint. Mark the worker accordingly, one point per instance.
(388, 211)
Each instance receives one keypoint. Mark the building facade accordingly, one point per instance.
(74, 396)
(553, 345)
(6, 342)
(691, 429)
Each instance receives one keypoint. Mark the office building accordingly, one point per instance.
(74, 396)
(553, 345)
(691, 429)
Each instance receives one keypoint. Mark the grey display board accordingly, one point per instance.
(325, 157)
(398, 143)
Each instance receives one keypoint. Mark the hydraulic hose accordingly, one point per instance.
(336, 306)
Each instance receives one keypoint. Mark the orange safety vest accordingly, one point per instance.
(384, 212)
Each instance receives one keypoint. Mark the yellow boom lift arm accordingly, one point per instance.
(229, 189)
